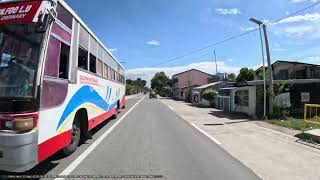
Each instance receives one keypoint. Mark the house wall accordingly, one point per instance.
(186, 79)
(194, 76)
(309, 71)
(251, 108)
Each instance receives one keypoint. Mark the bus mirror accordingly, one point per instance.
(43, 23)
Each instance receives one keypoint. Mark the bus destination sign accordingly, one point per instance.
(27, 11)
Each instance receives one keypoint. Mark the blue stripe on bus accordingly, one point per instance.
(85, 95)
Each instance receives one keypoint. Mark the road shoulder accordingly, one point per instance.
(269, 153)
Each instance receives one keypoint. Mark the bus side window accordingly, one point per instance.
(92, 63)
(99, 67)
(105, 71)
(52, 60)
(64, 61)
(83, 59)
(57, 61)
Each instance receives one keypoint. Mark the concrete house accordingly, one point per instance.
(284, 70)
(184, 82)
(303, 82)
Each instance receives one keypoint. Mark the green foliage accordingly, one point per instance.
(282, 87)
(279, 112)
(175, 81)
(294, 123)
(231, 77)
(159, 81)
(135, 86)
(209, 94)
(246, 74)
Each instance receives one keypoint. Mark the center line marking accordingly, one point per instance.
(82, 156)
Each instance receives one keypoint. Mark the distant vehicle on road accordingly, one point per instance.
(58, 81)
(152, 94)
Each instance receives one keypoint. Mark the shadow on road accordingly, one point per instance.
(229, 115)
(46, 166)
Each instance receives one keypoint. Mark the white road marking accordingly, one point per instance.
(202, 131)
(170, 107)
(208, 135)
(82, 156)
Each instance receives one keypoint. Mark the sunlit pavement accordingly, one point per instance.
(150, 140)
(270, 154)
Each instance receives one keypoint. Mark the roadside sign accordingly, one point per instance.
(305, 97)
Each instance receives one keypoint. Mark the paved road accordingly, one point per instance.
(151, 140)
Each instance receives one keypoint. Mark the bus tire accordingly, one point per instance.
(115, 115)
(75, 138)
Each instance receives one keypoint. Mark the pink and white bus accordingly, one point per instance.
(58, 81)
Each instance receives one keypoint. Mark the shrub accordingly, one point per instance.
(209, 94)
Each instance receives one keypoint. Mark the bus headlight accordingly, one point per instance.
(22, 124)
(19, 122)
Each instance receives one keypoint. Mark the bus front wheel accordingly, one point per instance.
(75, 138)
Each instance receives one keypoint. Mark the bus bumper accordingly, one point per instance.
(18, 152)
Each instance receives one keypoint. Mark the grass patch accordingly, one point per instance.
(294, 123)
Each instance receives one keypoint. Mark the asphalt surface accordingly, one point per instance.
(151, 140)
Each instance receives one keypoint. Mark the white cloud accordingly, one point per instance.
(305, 26)
(232, 11)
(112, 50)
(301, 1)
(300, 18)
(247, 28)
(297, 1)
(313, 59)
(206, 66)
(153, 43)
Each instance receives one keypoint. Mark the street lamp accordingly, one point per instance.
(263, 66)
(270, 78)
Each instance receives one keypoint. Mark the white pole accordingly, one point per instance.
(215, 59)
(264, 77)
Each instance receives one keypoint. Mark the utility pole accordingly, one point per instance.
(215, 59)
(264, 77)
(270, 74)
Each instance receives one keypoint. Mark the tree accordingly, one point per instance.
(135, 86)
(231, 77)
(129, 81)
(175, 81)
(159, 81)
(246, 74)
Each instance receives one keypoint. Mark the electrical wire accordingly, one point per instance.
(233, 37)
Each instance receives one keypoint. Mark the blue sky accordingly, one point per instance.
(143, 33)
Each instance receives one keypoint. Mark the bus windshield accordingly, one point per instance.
(19, 55)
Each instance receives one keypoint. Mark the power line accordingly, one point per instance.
(233, 37)
(296, 12)
(206, 47)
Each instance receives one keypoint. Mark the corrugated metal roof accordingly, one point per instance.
(208, 85)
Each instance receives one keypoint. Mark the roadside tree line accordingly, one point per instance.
(135, 86)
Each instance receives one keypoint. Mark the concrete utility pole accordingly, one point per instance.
(264, 77)
(215, 59)
(270, 74)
